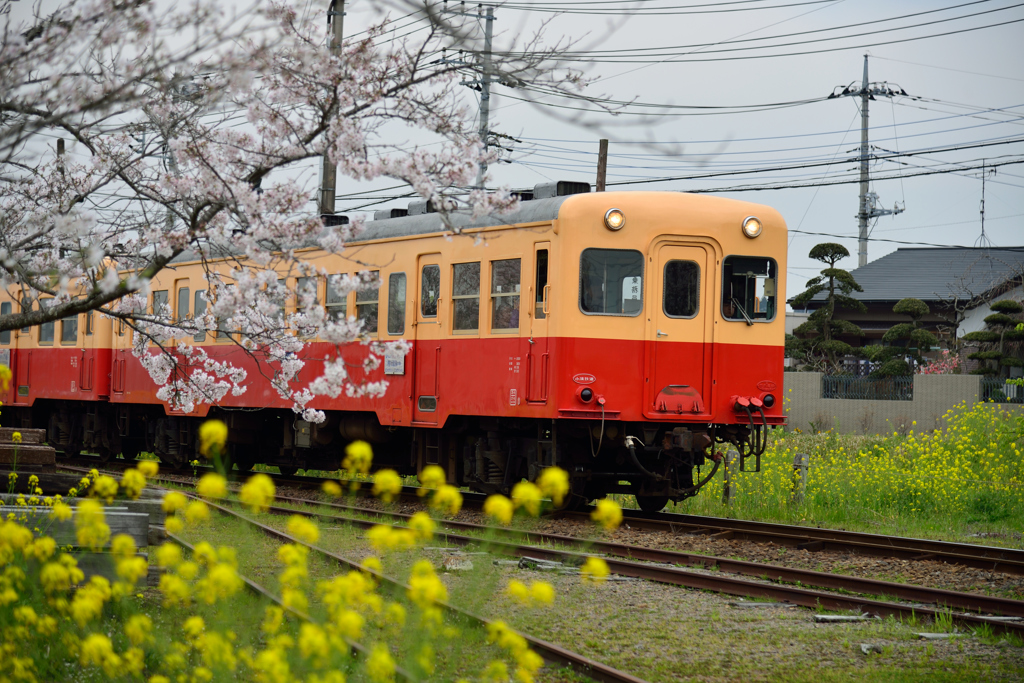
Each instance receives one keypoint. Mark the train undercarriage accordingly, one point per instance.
(655, 462)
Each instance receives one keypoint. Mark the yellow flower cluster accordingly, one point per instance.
(358, 458)
(212, 485)
(213, 434)
(527, 495)
(431, 477)
(594, 570)
(132, 483)
(528, 662)
(554, 483)
(258, 493)
(607, 513)
(384, 537)
(387, 485)
(446, 500)
(537, 593)
(91, 528)
(499, 508)
(303, 529)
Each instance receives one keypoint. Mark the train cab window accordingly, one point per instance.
(69, 330)
(46, 329)
(5, 309)
(396, 303)
(366, 305)
(681, 293)
(466, 297)
(88, 324)
(430, 290)
(337, 300)
(611, 282)
(505, 294)
(159, 301)
(542, 284)
(749, 288)
(199, 310)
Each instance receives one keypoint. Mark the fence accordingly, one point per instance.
(814, 403)
(999, 391)
(867, 388)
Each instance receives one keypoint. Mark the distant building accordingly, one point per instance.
(958, 284)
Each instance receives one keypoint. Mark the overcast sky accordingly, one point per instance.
(958, 79)
(965, 89)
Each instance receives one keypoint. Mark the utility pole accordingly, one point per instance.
(983, 240)
(868, 208)
(485, 92)
(602, 164)
(335, 21)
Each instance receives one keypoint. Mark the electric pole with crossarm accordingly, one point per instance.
(868, 207)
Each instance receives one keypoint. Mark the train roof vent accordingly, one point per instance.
(384, 214)
(420, 207)
(522, 195)
(560, 188)
(332, 219)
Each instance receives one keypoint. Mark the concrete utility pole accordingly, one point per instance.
(602, 164)
(335, 20)
(868, 208)
(485, 92)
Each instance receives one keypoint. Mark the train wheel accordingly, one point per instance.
(288, 470)
(175, 462)
(652, 503)
(245, 463)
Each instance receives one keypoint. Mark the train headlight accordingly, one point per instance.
(614, 219)
(751, 227)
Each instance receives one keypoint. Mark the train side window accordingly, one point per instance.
(505, 294)
(681, 293)
(466, 297)
(46, 329)
(396, 303)
(69, 330)
(542, 283)
(5, 309)
(430, 290)
(749, 288)
(26, 307)
(307, 288)
(366, 305)
(611, 282)
(337, 300)
(199, 310)
(159, 301)
(183, 302)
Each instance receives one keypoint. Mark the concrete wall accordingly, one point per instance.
(933, 396)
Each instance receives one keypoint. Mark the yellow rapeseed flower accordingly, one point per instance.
(527, 495)
(358, 457)
(387, 485)
(258, 493)
(554, 483)
(447, 500)
(16, 437)
(422, 526)
(303, 529)
(212, 485)
(331, 488)
(499, 508)
(173, 502)
(431, 477)
(380, 667)
(149, 468)
(213, 434)
(607, 513)
(594, 570)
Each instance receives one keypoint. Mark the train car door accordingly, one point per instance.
(538, 353)
(427, 343)
(678, 358)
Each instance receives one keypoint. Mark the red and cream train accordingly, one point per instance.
(618, 335)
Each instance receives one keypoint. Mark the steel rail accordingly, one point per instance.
(549, 651)
(990, 558)
(974, 602)
(260, 590)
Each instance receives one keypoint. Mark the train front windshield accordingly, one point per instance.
(749, 288)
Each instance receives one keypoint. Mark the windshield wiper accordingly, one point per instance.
(740, 309)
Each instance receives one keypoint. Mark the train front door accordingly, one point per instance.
(427, 342)
(678, 328)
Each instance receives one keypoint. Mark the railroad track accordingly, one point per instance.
(549, 651)
(990, 558)
(664, 566)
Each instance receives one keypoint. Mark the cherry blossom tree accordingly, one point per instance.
(190, 121)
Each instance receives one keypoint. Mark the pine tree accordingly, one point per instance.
(1001, 332)
(822, 328)
(893, 357)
